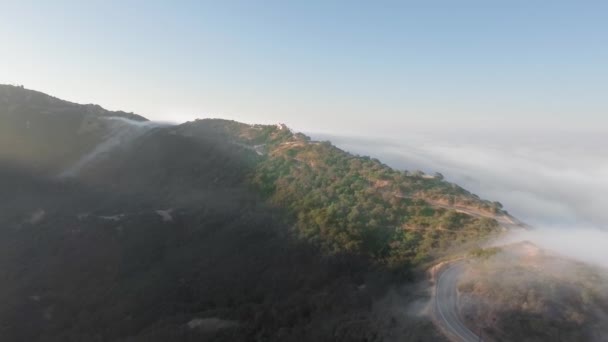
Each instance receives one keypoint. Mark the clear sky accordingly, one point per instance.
(375, 67)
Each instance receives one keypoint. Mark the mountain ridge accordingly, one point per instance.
(318, 183)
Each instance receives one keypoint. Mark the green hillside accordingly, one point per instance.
(353, 204)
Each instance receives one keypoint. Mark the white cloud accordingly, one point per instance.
(558, 183)
(580, 243)
(541, 177)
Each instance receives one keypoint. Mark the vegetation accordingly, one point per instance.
(105, 266)
(521, 293)
(485, 253)
(46, 134)
(352, 204)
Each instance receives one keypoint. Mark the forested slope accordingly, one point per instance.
(353, 204)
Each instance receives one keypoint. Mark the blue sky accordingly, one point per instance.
(374, 67)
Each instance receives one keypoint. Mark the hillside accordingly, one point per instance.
(113, 228)
(522, 293)
(45, 133)
(353, 204)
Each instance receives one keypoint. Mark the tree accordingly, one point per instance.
(417, 173)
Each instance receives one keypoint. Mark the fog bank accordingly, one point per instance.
(581, 243)
(542, 178)
(555, 181)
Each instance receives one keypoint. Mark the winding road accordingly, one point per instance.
(446, 305)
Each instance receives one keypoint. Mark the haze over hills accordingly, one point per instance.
(209, 229)
(303, 171)
(49, 132)
(116, 228)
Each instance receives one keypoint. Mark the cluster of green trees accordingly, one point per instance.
(351, 204)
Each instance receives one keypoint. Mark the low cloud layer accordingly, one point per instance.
(548, 179)
(556, 181)
(581, 243)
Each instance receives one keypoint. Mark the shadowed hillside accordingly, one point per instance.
(46, 133)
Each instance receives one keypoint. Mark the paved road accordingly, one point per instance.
(446, 305)
(506, 221)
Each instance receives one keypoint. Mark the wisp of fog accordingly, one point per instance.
(121, 131)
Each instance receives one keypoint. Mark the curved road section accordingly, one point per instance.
(446, 305)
